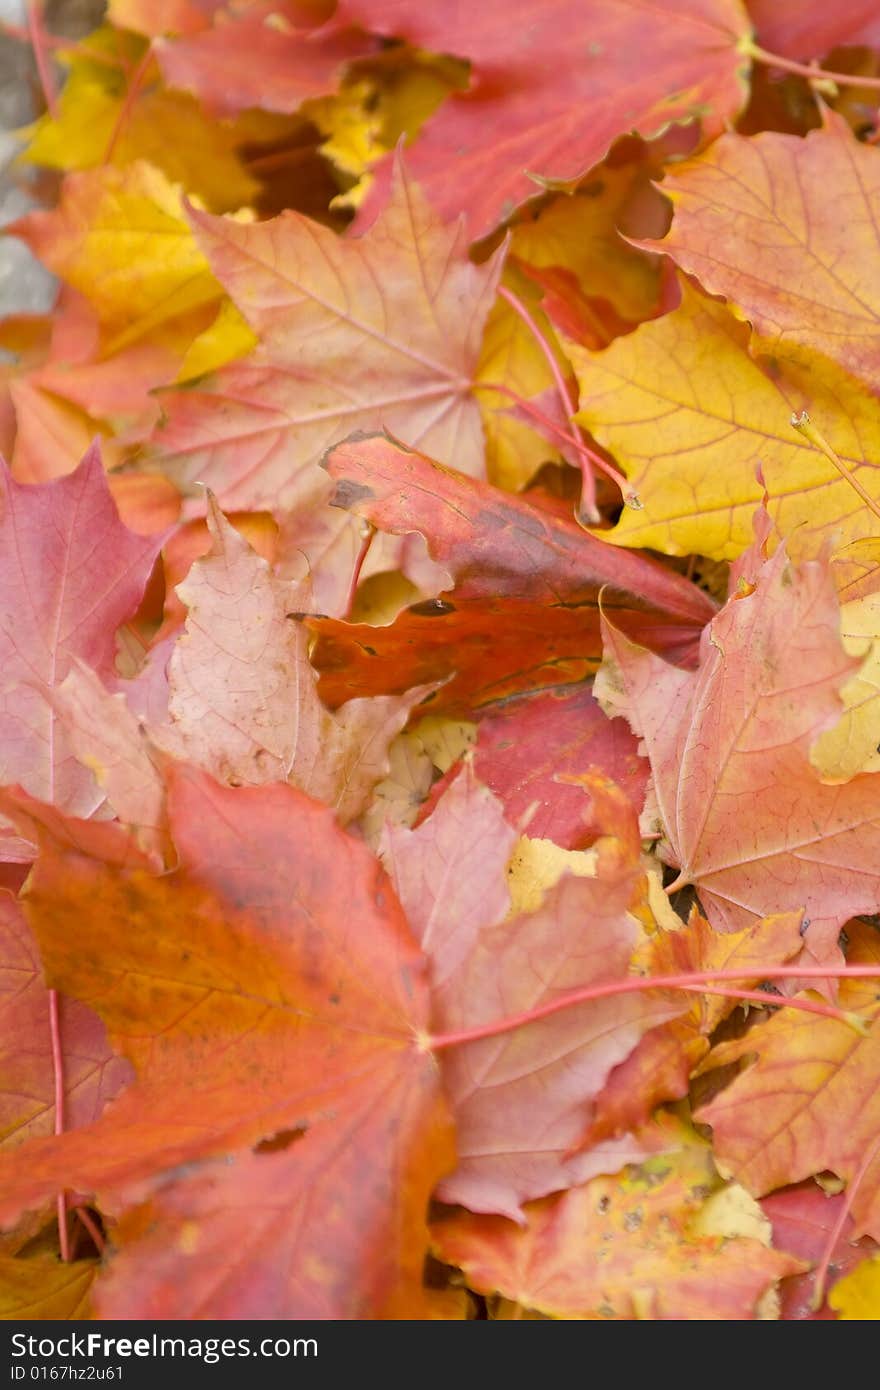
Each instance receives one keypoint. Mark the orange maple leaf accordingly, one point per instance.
(282, 1007)
(524, 609)
(639, 1245)
(808, 1101)
(93, 1074)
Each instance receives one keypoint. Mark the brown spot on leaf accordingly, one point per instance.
(280, 1140)
(347, 494)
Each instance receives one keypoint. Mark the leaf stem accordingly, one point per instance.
(692, 982)
(851, 1190)
(589, 509)
(58, 1075)
(631, 499)
(135, 84)
(37, 36)
(367, 533)
(681, 882)
(90, 1225)
(775, 60)
(805, 426)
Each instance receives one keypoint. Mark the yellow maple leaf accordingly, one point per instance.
(856, 1297)
(351, 125)
(40, 1286)
(579, 233)
(690, 416)
(387, 97)
(851, 746)
(93, 125)
(537, 865)
(856, 568)
(227, 337)
(119, 237)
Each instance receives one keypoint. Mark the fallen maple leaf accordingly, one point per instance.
(689, 415)
(243, 702)
(758, 220)
(743, 812)
(39, 420)
(803, 1219)
(483, 650)
(193, 540)
(492, 543)
(263, 952)
(92, 1073)
(63, 391)
(105, 735)
(103, 118)
(301, 1033)
(659, 1067)
(524, 609)
(536, 67)
(285, 1007)
(380, 331)
(120, 238)
(451, 876)
(522, 1100)
(306, 1252)
(640, 1245)
(259, 59)
(70, 574)
(808, 1101)
(526, 746)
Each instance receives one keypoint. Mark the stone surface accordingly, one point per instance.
(24, 285)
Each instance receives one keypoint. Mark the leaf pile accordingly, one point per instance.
(440, 611)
